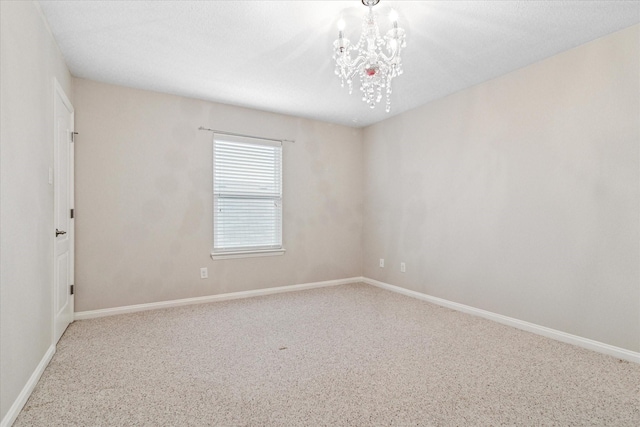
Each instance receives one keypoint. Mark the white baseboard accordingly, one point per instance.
(600, 347)
(22, 398)
(82, 315)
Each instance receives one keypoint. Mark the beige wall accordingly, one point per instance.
(29, 60)
(520, 195)
(144, 198)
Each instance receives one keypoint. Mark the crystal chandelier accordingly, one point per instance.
(374, 59)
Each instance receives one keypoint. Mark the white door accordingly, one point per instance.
(63, 204)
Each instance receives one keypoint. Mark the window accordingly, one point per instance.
(247, 197)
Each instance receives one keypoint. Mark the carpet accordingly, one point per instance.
(350, 355)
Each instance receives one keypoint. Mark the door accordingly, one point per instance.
(63, 251)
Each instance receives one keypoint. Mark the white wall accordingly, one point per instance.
(520, 195)
(29, 60)
(144, 198)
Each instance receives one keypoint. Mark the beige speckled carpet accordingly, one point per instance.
(345, 355)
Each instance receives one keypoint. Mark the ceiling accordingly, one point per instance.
(276, 55)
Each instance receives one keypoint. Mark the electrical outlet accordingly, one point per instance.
(403, 267)
(382, 262)
(204, 273)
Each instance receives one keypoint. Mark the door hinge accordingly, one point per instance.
(71, 289)
(71, 213)
(73, 136)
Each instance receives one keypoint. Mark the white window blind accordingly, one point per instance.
(247, 194)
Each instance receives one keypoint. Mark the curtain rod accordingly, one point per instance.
(247, 136)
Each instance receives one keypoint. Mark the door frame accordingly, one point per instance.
(59, 91)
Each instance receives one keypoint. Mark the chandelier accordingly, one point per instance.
(374, 59)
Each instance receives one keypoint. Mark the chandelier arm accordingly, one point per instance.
(387, 58)
(394, 54)
(357, 62)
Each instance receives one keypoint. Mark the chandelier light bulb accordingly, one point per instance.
(393, 16)
(374, 59)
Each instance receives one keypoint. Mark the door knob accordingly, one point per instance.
(60, 232)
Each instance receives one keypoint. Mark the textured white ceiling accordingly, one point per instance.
(276, 55)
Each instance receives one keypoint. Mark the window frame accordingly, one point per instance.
(249, 251)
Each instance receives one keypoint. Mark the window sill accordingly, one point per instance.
(247, 254)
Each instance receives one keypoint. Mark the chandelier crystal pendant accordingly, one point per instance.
(374, 59)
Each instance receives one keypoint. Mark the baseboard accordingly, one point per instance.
(22, 398)
(600, 347)
(82, 315)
